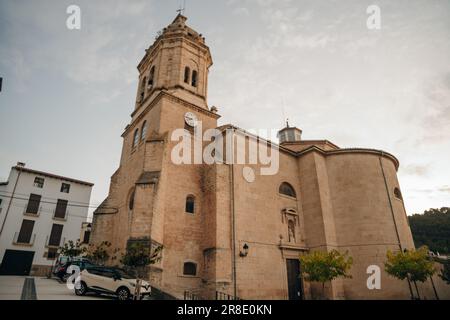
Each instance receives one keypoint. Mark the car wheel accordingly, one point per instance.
(81, 291)
(123, 293)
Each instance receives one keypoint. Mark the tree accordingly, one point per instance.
(100, 254)
(432, 228)
(72, 249)
(445, 272)
(322, 266)
(138, 256)
(414, 265)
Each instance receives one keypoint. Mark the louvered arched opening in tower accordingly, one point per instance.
(151, 76)
(187, 74)
(194, 78)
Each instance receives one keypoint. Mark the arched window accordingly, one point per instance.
(187, 74)
(142, 93)
(194, 78)
(131, 201)
(144, 130)
(135, 138)
(151, 76)
(287, 190)
(190, 204)
(398, 193)
(189, 269)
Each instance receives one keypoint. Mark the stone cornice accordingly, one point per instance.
(303, 142)
(178, 36)
(351, 150)
(169, 96)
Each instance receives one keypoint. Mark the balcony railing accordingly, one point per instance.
(59, 217)
(225, 296)
(18, 241)
(54, 245)
(32, 214)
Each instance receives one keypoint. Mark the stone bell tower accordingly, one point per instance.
(178, 62)
(151, 198)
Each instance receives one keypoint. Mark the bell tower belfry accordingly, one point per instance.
(177, 62)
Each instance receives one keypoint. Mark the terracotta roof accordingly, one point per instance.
(51, 175)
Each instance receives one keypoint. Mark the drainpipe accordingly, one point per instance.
(233, 222)
(393, 216)
(11, 200)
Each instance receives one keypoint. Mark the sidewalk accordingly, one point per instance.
(25, 288)
(11, 287)
(52, 289)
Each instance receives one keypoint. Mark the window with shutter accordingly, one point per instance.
(26, 231)
(61, 208)
(55, 235)
(87, 235)
(33, 203)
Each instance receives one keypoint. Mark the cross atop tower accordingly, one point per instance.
(182, 8)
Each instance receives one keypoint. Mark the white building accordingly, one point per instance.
(39, 211)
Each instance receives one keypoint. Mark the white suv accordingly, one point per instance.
(110, 281)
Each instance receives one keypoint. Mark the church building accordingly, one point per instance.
(228, 229)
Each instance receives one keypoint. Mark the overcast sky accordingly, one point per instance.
(68, 94)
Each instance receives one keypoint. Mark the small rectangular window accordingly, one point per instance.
(51, 254)
(190, 204)
(38, 182)
(189, 269)
(65, 187)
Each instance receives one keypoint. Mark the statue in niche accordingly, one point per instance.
(291, 231)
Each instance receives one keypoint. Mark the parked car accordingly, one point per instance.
(63, 262)
(113, 281)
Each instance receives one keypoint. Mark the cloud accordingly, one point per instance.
(414, 169)
(436, 122)
(444, 189)
(241, 11)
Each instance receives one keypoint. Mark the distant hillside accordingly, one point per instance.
(432, 228)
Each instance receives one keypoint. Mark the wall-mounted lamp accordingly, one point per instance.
(244, 251)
